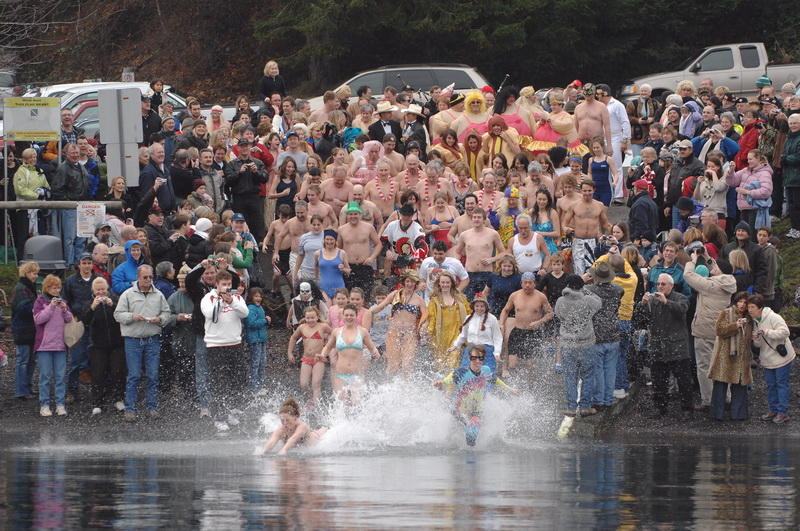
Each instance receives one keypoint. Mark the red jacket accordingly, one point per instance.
(102, 273)
(748, 141)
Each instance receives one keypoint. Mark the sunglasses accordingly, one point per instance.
(305, 291)
(477, 358)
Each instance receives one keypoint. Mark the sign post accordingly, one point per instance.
(30, 120)
(121, 130)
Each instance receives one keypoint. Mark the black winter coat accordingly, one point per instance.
(104, 330)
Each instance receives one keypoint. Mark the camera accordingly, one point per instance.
(58, 300)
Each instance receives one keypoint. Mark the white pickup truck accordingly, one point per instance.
(736, 66)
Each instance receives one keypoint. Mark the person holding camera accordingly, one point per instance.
(714, 139)
(245, 175)
(643, 215)
(730, 362)
(106, 350)
(776, 353)
(664, 311)
(713, 296)
(711, 190)
(223, 309)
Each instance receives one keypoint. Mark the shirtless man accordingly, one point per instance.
(532, 311)
(441, 121)
(535, 182)
(434, 182)
(568, 184)
(383, 190)
(462, 222)
(289, 237)
(398, 163)
(478, 244)
(592, 118)
(588, 219)
(329, 104)
(275, 228)
(489, 198)
(370, 212)
(314, 176)
(408, 178)
(336, 191)
(355, 238)
(323, 210)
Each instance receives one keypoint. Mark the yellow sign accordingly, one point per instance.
(32, 119)
(18, 103)
(33, 136)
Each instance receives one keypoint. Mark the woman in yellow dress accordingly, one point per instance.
(447, 311)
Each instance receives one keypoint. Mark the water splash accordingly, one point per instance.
(413, 414)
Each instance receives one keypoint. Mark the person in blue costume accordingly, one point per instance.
(471, 385)
(601, 167)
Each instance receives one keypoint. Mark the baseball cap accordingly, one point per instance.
(155, 209)
(684, 144)
(243, 142)
(238, 217)
(85, 256)
(202, 224)
(292, 133)
(641, 184)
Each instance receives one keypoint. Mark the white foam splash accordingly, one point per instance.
(413, 414)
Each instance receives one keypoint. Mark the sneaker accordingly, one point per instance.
(768, 416)
(129, 416)
(61, 411)
(45, 411)
(120, 405)
(96, 411)
(204, 412)
(780, 419)
(221, 426)
(620, 393)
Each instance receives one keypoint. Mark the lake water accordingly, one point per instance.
(218, 484)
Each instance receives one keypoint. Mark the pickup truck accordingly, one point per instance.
(736, 66)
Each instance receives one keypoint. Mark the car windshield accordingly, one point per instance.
(6, 79)
(686, 63)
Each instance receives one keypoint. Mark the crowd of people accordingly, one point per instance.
(420, 236)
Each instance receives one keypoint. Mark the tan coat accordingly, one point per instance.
(724, 367)
(713, 295)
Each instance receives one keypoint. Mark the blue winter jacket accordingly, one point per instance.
(255, 324)
(126, 273)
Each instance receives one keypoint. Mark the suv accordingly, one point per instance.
(421, 77)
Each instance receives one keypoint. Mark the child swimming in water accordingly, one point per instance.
(293, 431)
(471, 385)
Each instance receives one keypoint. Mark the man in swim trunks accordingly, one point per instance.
(531, 311)
(355, 238)
(588, 219)
(477, 245)
(289, 237)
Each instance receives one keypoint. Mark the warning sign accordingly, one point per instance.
(89, 215)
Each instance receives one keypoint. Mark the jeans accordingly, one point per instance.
(258, 363)
(605, 372)
(738, 401)
(676, 216)
(78, 360)
(52, 366)
(778, 388)
(201, 372)
(793, 205)
(490, 360)
(622, 363)
(140, 351)
(66, 228)
(578, 365)
(26, 364)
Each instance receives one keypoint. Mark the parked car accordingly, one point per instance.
(736, 66)
(420, 76)
(74, 94)
(8, 87)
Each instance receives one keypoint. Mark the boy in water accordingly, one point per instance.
(471, 385)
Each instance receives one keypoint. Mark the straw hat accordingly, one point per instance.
(385, 106)
(414, 109)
